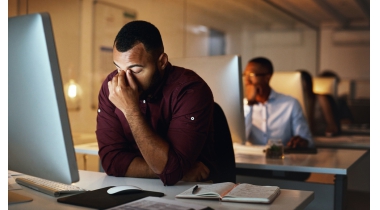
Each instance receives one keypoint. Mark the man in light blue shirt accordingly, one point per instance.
(269, 114)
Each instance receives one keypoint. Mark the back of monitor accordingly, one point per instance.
(223, 75)
(39, 134)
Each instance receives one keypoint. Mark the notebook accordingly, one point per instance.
(231, 192)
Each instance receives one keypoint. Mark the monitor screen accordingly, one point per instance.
(39, 134)
(223, 76)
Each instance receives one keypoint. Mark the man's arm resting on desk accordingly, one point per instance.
(140, 169)
(124, 94)
(152, 147)
(155, 151)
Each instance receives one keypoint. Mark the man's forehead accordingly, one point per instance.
(138, 48)
(255, 67)
(137, 53)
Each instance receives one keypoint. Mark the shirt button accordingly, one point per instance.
(98, 110)
(192, 118)
(144, 101)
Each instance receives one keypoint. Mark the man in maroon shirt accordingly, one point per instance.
(154, 119)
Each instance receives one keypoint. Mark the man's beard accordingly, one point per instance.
(154, 83)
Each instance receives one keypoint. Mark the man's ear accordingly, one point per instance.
(162, 61)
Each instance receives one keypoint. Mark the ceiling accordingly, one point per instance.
(342, 14)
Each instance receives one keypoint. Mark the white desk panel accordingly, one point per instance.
(338, 162)
(326, 161)
(288, 199)
(89, 148)
(343, 142)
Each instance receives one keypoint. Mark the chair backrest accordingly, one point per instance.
(223, 147)
(325, 89)
(331, 116)
(290, 83)
(325, 86)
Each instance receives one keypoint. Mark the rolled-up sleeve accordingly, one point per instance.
(115, 151)
(189, 130)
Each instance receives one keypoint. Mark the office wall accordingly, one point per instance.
(287, 49)
(197, 24)
(66, 29)
(166, 15)
(184, 30)
(348, 54)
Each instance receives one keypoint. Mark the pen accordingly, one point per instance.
(194, 189)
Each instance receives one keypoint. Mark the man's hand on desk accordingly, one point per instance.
(198, 173)
(297, 142)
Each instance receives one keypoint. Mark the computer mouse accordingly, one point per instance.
(123, 189)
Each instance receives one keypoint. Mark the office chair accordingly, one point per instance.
(290, 83)
(325, 89)
(331, 114)
(223, 147)
(325, 86)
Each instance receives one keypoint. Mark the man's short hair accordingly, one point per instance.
(136, 32)
(330, 73)
(264, 62)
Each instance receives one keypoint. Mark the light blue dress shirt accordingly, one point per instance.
(280, 117)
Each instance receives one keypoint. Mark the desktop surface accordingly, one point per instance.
(343, 141)
(288, 199)
(325, 161)
(338, 162)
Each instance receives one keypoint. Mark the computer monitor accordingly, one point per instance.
(223, 76)
(39, 134)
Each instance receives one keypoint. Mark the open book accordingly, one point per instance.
(228, 191)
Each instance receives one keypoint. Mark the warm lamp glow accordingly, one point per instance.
(73, 94)
(72, 91)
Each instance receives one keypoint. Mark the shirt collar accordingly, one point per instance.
(273, 95)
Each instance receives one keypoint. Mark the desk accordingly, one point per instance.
(327, 161)
(343, 142)
(288, 199)
(88, 149)
(360, 178)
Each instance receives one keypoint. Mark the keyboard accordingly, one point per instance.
(48, 187)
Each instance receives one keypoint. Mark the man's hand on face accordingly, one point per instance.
(199, 172)
(124, 93)
(297, 142)
(251, 92)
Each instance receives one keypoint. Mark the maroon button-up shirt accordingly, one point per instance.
(180, 110)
